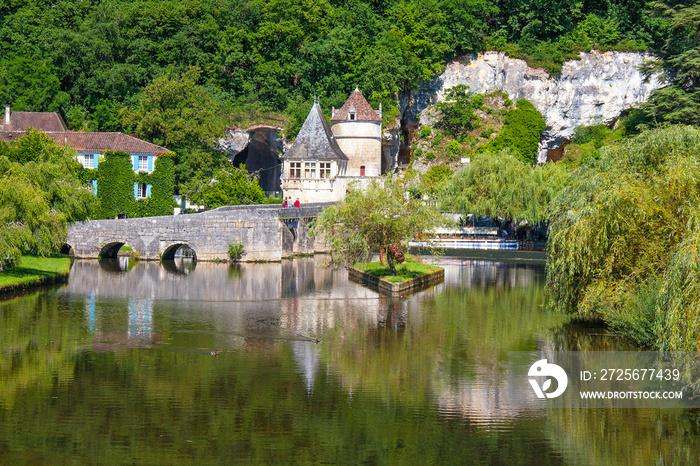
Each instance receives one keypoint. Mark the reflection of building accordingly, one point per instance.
(308, 359)
(324, 159)
(140, 314)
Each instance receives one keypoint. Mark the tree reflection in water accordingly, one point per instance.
(118, 368)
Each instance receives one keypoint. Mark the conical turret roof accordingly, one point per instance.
(358, 104)
(315, 140)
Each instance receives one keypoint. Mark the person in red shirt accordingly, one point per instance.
(296, 203)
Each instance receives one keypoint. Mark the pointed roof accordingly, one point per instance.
(315, 140)
(357, 103)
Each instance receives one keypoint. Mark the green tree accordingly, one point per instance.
(229, 186)
(377, 217)
(502, 186)
(40, 189)
(175, 112)
(621, 240)
(679, 59)
(521, 132)
(30, 84)
(457, 111)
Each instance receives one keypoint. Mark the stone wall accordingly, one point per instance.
(264, 235)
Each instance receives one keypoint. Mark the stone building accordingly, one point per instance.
(323, 160)
(358, 129)
(314, 166)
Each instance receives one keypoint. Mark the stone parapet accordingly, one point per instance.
(267, 232)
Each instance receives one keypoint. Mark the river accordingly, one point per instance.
(291, 362)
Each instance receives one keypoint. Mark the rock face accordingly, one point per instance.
(594, 89)
(260, 148)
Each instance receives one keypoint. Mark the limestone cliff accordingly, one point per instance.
(596, 88)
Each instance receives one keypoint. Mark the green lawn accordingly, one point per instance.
(407, 271)
(34, 270)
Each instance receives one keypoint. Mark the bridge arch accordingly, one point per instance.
(111, 249)
(169, 252)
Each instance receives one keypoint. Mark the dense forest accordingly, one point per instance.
(91, 59)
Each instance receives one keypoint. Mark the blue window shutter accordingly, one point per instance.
(136, 190)
(150, 163)
(94, 186)
(148, 190)
(95, 160)
(136, 162)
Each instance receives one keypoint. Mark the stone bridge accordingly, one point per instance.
(267, 232)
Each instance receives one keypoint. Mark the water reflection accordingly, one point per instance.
(117, 265)
(180, 265)
(122, 364)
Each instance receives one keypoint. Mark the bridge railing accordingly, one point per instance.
(306, 210)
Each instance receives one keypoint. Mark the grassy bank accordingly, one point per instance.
(407, 271)
(34, 271)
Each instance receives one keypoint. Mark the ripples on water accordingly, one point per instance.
(199, 362)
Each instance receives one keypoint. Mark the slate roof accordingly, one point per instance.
(315, 140)
(94, 142)
(43, 121)
(358, 103)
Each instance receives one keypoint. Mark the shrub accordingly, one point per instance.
(425, 131)
(418, 152)
(454, 148)
(430, 156)
(521, 131)
(487, 132)
(235, 250)
(457, 112)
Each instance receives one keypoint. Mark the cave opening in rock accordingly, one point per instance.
(262, 157)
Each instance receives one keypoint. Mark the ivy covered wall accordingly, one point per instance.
(117, 186)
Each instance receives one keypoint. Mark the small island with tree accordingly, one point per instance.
(380, 219)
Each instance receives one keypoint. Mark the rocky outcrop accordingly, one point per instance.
(260, 148)
(234, 142)
(596, 88)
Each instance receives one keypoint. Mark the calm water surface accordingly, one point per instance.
(117, 367)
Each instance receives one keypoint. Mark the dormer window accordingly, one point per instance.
(351, 116)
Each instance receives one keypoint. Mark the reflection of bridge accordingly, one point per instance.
(267, 232)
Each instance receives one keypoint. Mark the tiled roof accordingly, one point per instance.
(94, 142)
(315, 140)
(357, 103)
(43, 121)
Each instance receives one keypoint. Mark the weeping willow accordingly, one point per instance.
(623, 239)
(500, 185)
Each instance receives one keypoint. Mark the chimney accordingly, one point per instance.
(332, 112)
(380, 110)
(7, 114)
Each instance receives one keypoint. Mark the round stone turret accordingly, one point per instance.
(357, 128)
